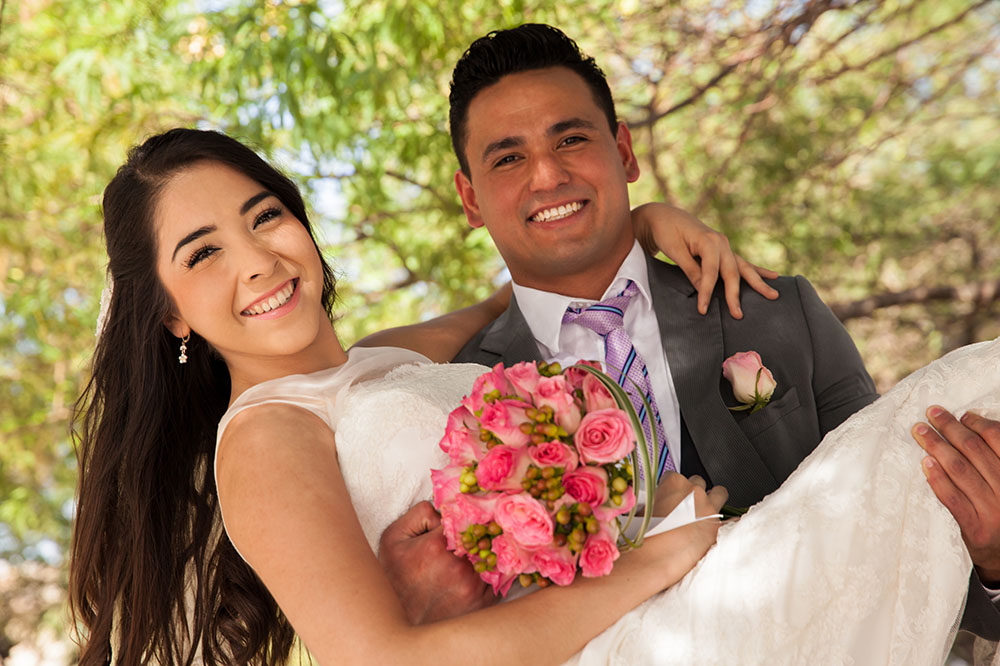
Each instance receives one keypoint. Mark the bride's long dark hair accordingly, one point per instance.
(152, 576)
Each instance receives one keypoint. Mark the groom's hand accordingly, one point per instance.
(431, 582)
(963, 469)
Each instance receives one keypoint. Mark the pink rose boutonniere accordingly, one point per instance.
(753, 384)
(539, 484)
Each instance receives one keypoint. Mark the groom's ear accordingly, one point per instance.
(177, 326)
(468, 196)
(623, 141)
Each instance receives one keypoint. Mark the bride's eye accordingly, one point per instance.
(203, 252)
(266, 215)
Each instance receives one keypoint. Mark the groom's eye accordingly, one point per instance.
(573, 140)
(505, 160)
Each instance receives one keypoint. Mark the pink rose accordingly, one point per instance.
(503, 418)
(587, 484)
(753, 384)
(462, 446)
(557, 394)
(446, 482)
(604, 436)
(459, 513)
(595, 395)
(599, 553)
(554, 454)
(524, 378)
(502, 468)
(575, 376)
(511, 558)
(556, 563)
(500, 582)
(525, 520)
(461, 418)
(485, 384)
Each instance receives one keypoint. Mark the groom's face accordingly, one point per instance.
(548, 178)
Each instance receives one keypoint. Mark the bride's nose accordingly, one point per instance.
(257, 261)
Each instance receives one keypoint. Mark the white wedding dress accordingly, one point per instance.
(852, 561)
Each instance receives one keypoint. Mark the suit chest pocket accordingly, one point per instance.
(756, 423)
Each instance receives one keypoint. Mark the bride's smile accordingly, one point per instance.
(276, 304)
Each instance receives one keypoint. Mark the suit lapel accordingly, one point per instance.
(510, 338)
(695, 351)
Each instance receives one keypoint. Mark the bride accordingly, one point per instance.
(220, 315)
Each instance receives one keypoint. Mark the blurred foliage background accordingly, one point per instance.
(856, 142)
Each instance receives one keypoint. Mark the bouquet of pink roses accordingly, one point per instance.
(541, 470)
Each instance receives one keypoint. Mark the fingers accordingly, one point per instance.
(709, 276)
(967, 457)
(698, 481)
(420, 518)
(731, 280)
(718, 496)
(753, 275)
(987, 429)
(687, 263)
(943, 467)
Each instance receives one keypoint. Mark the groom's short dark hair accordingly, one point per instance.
(502, 52)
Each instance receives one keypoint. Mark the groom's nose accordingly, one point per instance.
(547, 172)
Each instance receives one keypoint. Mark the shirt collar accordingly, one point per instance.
(544, 310)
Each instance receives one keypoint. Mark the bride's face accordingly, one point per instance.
(242, 270)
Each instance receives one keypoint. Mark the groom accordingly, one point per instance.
(545, 167)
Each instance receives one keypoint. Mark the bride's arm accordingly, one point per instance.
(288, 511)
(701, 252)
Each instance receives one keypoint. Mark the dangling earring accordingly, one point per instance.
(183, 358)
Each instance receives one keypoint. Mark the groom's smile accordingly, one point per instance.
(549, 180)
(557, 212)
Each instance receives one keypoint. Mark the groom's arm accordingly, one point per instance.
(841, 385)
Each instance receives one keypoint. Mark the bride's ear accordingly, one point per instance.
(177, 326)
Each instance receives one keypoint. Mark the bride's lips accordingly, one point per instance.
(277, 303)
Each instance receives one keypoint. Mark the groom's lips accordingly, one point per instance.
(557, 212)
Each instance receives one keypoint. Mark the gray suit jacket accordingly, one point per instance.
(821, 380)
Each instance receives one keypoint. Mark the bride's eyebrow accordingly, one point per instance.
(254, 200)
(192, 237)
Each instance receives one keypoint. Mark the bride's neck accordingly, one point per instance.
(324, 353)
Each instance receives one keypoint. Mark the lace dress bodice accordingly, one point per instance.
(388, 408)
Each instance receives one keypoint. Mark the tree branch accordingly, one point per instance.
(902, 45)
(973, 292)
(446, 203)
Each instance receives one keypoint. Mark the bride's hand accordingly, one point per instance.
(678, 550)
(674, 487)
(701, 252)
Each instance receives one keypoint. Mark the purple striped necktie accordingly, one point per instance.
(623, 363)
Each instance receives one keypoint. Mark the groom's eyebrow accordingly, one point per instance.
(571, 124)
(517, 141)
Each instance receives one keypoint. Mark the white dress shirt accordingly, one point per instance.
(570, 343)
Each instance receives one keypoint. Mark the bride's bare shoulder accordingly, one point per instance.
(263, 433)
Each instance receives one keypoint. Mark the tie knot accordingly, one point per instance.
(604, 316)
